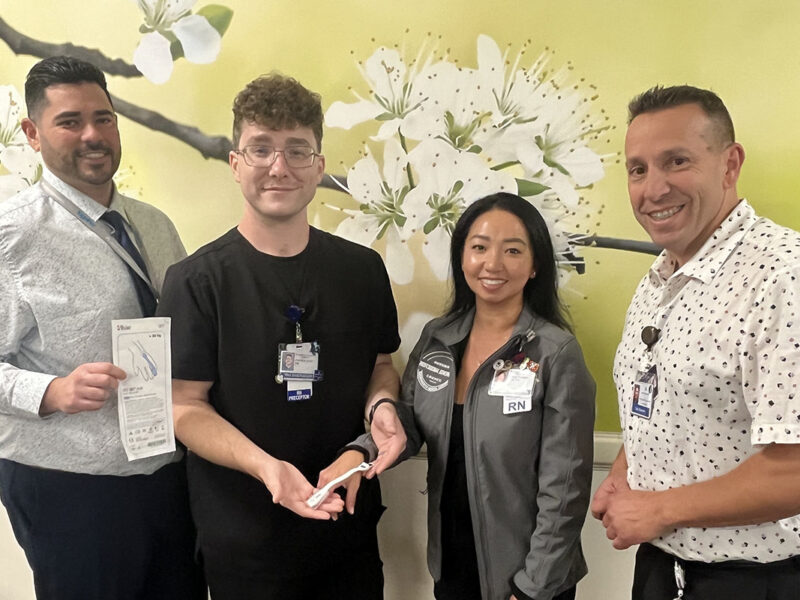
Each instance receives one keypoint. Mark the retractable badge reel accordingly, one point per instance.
(298, 363)
(645, 388)
(680, 580)
(294, 313)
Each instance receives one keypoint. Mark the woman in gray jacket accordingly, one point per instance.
(499, 391)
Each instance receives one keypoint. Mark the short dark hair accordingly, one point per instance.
(659, 98)
(57, 70)
(541, 292)
(277, 102)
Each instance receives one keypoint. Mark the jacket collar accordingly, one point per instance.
(456, 329)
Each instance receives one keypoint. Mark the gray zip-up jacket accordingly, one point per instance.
(528, 473)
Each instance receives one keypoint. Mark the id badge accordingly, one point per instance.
(511, 379)
(645, 390)
(299, 362)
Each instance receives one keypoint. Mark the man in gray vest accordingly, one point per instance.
(92, 524)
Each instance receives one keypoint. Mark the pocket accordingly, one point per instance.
(58, 502)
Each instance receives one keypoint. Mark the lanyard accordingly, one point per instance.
(294, 312)
(101, 230)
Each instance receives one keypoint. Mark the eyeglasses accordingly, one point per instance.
(296, 157)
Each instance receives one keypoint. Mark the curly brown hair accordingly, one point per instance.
(277, 102)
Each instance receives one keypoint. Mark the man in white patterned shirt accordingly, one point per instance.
(708, 480)
(93, 525)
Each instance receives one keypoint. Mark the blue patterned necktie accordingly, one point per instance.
(147, 300)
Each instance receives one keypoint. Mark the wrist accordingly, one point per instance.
(619, 468)
(374, 407)
(49, 404)
(355, 448)
(666, 509)
(619, 478)
(265, 468)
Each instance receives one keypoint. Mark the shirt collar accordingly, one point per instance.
(94, 209)
(705, 264)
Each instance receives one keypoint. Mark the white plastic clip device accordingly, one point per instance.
(317, 497)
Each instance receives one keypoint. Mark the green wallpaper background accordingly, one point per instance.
(747, 52)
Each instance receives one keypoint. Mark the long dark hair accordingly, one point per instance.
(540, 293)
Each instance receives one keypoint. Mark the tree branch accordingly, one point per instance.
(22, 44)
(216, 147)
(209, 146)
(617, 244)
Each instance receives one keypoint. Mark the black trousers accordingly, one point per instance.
(98, 537)
(331, 574)
(654, 578)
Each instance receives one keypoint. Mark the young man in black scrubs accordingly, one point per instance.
(274, 285)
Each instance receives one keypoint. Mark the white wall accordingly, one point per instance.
(402, 533)
(16, 581)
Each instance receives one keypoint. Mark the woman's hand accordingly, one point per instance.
(348, 460)
(389, 436)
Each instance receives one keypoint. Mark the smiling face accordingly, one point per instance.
(278, 193)
(76, 132)
(497, 260)
(681, 177)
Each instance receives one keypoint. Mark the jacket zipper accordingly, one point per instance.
(521, 339)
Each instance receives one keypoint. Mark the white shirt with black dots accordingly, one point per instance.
(728, 368)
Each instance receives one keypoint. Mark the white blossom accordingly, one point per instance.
(448, 181)
(11, 133)
(449, 109)
(506, 125)
(21, 163)
(392, 96)
(199, 40)
(381, 194)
